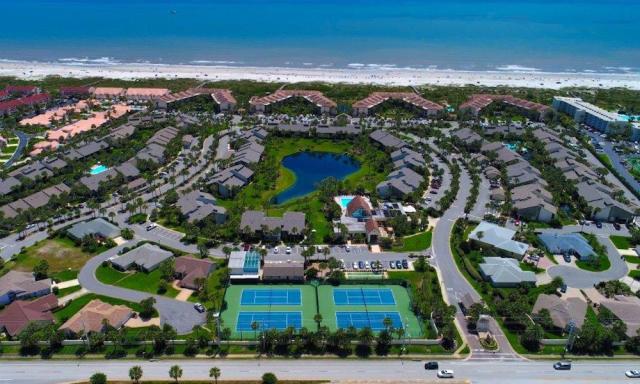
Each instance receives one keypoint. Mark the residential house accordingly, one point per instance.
(197, 205)
(386, 140)
(568, 244)
(604, 207)
(256, 223)
(505, 272)
(627, 309)
(190, 271)
(264, 104)
(500, 239)
(566, 312)
(98, 227)
(15, 285)
(146, 258)
(230, 180)
(19, 314)
(93, 316)
(400, 183)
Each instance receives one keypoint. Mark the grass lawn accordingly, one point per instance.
(600, 264)
(67, 291)
(415, 243)
(61, 253)
(63, 314)
(632, 259)
(635, 274)
(531, 268)
(621, 242)
(139, 281)
(215, 287)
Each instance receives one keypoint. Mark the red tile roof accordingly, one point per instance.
(219, 95)
(356, 203)
(478, 102)
(11, 105)
(377, 98)
(21, 89)
(20, 313)
(315, 97)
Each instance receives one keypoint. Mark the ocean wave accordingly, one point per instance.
(356, 65)
(517, 68)
(215, 62)
(86, 60)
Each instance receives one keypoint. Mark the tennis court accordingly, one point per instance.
(367, 305)
(373, 320)
(271, 297)
(271, 306)
(268, 320)
(363, 296)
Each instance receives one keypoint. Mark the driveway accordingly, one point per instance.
(180, 315)
(579, 278)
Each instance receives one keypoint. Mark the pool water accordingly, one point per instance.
(511, 146)
(97, 169)
(344, 201)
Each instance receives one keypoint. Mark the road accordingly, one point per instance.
(378, 371)
(615, 161)
(456, 284)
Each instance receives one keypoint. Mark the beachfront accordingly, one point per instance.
(381, 75)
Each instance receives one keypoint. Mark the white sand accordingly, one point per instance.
(382, 76)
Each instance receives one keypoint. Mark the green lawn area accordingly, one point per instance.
(415, 243)
(63, 314)
(601, 263)
(63, 256)
(605, 160)
(139, 281)
(67, 291)
(635, 274)
(632, 259)
(215, 288)
(621, 242)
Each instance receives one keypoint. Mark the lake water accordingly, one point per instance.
(313, 167)
(504, 35)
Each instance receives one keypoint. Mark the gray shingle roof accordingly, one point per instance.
(97, 226)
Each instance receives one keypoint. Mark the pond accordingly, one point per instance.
(313, 167)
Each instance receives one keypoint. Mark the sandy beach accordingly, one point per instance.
(380, 76)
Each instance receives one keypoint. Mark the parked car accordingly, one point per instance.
(562, 366)
(199, 307)
(360, 264)
(431, 365)
(288, 250)
(347, 248)
(633, 374)
(398, 264)
(566, 257)
(367, 265)
(445, 374)
(151, 226)
(342, 264)
(355, 265)
(616, 226)
(598, 224)
(392, 265)
(275, 250)
(405, 264)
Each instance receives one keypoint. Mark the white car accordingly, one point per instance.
(355, 265)
(445, 374)
(346, 248)
(151, 226)
(634, 374)
(275, 250)
(288, 250)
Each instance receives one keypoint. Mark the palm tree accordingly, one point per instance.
(175, 372)
(135, 373)
(254, 326)
(318, 319)
(215, 373)
(365, 336)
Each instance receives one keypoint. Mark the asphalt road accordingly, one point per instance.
(378, 371)
(615, 161)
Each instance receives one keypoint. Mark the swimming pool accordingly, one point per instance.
(511, 146)
(344, 201)
(98, 168)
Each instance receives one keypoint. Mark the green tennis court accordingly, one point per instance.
(335, 315)
(240, 306)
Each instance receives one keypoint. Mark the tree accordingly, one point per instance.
(126, 233)
(98, 378)
(203, 250)
(147, 307)
(175, 372)
(530, 338)
(269, 378)
(41, 270)
(135, 373)
(215, 373)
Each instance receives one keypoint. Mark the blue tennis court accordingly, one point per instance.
(373, 320)
(271, 297)
(268, 320)
(363, 296)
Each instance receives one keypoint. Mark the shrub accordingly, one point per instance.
(269, 378)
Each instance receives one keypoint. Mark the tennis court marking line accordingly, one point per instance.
(268, 313)
(361, 294)
(254, 294)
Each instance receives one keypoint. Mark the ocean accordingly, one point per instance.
(500, 35)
